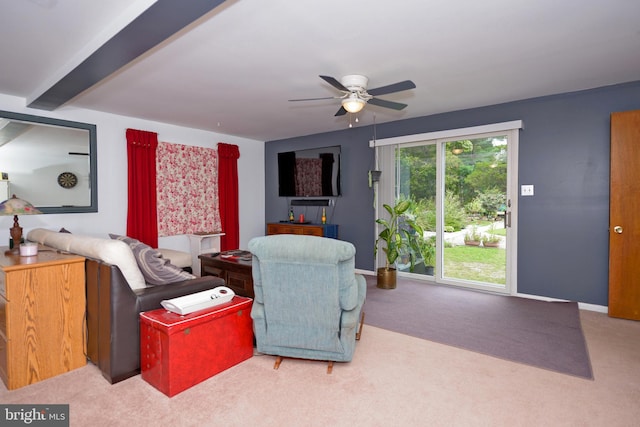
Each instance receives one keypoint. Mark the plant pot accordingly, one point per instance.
(472, 242)
(386, 278)
(490, 244)
(423, 269)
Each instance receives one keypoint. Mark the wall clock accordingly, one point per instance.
(67, 180)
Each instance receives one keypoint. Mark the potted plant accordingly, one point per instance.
(473, 237)
(491, 240)
(399, 234)
(428, 253)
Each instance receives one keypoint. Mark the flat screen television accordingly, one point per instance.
(312, 172)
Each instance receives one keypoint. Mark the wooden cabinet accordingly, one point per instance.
(236, 273)
(321, 230)
(42, 306)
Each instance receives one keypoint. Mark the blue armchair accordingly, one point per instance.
(308, 299)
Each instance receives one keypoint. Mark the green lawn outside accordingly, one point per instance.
(498, 231)
(475, 263)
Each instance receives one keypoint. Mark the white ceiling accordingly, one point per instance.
(234, 70)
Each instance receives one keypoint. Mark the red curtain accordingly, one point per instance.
(228, 156)
(142, 216)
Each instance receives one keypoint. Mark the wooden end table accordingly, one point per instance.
(235, 272)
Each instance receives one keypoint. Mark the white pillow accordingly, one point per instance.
(110, 251)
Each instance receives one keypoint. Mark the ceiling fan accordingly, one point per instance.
(355, 94)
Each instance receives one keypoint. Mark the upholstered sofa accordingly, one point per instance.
(116, 293)
(308, 298)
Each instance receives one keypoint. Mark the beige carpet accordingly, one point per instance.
(393, 380)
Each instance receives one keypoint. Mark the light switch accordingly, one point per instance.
(526, 190)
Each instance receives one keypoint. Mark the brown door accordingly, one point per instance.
(624, 216)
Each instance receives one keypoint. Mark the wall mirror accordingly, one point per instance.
(49, 162)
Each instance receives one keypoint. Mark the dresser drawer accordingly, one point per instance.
(283, 229)
(240, 283)
(208, 270)
(320, 230)
(312, 231)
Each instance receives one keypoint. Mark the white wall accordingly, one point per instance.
(112, 175)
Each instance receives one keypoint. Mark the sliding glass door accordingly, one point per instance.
(474, 218)
(461, 192)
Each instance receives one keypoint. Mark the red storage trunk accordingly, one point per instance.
(178, 352)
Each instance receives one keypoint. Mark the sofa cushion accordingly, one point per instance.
(178, 258)
(154, 267)
(113, 252)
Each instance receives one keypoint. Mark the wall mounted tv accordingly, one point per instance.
(312, 172)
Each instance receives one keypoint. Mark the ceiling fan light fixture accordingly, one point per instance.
(353, 104)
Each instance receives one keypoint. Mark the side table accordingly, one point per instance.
(204, 242)
(235, 272)
(42, 305)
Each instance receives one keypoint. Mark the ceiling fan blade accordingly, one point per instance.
(396, 87)
(341, 112)
(387, 104)
(335, 83)
(313, 99)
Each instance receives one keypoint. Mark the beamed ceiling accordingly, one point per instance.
(231, 66)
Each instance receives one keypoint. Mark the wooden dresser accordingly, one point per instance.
(321, 230)
(42, 306)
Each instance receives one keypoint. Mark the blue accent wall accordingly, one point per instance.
(563, 239)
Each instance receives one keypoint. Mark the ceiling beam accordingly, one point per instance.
(156, 24)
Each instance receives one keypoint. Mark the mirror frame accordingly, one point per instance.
(93, 158)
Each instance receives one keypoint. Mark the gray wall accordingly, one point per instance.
(564, 152)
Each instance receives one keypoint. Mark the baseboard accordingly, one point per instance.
(581, 305)
(593, 307)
